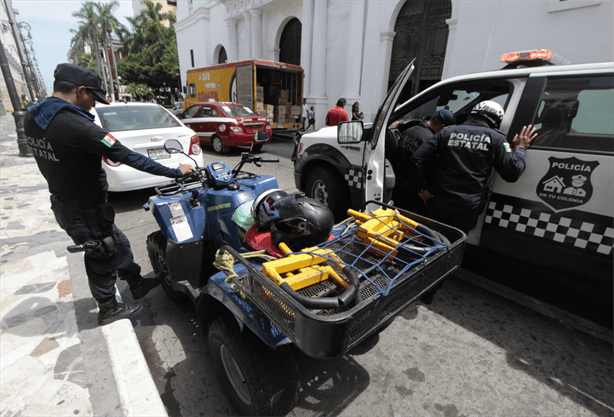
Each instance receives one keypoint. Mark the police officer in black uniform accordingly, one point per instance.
(68, 147)
(465, 156)
(404, 190)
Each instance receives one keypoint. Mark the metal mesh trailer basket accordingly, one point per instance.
(389, 284)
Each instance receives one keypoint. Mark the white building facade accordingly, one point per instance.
(355, 49)
(12, 56)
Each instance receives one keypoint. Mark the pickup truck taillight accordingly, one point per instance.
(194, 145)
(111, 163)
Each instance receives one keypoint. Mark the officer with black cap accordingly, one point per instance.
(404, 191)
(68, 147)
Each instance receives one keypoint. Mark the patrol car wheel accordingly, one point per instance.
(324, 185)
(257, 380)
(156, 249)
(218, 145)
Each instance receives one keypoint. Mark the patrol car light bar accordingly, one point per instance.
(544, 56)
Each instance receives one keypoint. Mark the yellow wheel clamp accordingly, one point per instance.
(301, 270)
(384, 229)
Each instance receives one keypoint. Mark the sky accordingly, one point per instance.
(51, 21)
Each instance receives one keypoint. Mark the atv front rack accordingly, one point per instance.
(390, 281)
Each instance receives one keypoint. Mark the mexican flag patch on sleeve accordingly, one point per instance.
(108, 140)
(506, 145)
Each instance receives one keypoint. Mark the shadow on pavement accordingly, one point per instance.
(577, 365)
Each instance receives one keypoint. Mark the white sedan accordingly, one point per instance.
(144, 127)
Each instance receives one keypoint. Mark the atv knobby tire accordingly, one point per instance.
(258, 380)
(156, 249)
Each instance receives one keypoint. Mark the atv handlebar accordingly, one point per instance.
(249, 158)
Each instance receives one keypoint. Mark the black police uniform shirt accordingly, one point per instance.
(465, 157)
(410, 141)
(68, 154)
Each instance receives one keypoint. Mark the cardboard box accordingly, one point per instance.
(295, 110)
(262, 113)
(280, 110)
(260, 91)
(260, 107)
(270, 108)
(285, 94)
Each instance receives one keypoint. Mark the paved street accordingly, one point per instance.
(470, 353)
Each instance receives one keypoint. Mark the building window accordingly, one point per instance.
(290, 43)
(222, 56)
(192, 56)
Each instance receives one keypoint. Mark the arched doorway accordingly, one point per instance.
(290, 43)
(222, 57)
(421, 33)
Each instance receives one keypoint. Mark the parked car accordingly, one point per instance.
(223, 125)
(549, 235)
(144, 127)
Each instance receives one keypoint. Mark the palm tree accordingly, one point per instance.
(88, 31)
(109, 25)
(96, 27)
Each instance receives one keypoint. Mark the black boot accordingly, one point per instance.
(111, 311)
(139, 286)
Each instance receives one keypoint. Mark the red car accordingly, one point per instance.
(223, 125)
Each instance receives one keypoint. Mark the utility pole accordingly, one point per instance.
(18, 114)
(19, 43)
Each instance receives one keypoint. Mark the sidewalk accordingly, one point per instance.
(55, 359)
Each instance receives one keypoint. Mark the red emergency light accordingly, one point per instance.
(532, 58)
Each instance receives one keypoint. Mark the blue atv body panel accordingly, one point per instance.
(245, 311)
(211, 218)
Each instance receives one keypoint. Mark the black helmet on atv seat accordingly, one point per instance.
(262, 208)
(303, 222)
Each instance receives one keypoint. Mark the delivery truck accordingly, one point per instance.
(271, 89)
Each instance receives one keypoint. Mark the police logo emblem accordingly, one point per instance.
(567, 184)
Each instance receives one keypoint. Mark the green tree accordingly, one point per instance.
(139, 90)
(152, 48)
(96, 28)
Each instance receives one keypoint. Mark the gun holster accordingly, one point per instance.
(100, 221)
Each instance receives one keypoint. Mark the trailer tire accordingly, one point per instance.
(218, 145)
(326, 186)
(257, 379)
(156, 249)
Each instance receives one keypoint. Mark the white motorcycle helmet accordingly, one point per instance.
(492, 111)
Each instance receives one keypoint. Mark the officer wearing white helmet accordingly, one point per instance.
(465, 155)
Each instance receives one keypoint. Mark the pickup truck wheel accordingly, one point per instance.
(258, 380)
(324, 185)
(156, 249)
(218, 145)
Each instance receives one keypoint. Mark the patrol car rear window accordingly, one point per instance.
(125, 118)
(576, 113)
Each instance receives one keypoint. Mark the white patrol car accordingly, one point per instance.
(550, 235)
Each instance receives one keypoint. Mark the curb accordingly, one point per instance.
(131, 371)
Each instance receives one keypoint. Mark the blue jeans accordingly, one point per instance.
(101, 274)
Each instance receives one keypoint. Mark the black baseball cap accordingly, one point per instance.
(444, 116)
(81, 77)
